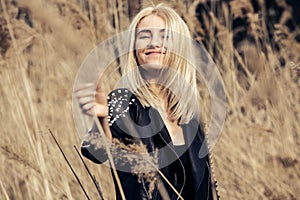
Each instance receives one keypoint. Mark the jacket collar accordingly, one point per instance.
(194, 137)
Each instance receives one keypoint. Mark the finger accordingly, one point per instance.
(96, 109)
(89, 112)
(84, 87)
(86, 100)
(87, 107)
(85, 93)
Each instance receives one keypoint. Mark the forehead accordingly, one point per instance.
(152, 22)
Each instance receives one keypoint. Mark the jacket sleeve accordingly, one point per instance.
(122, 105)
(93, 152)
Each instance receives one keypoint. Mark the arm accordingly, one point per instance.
(94, 103)
(123, 113)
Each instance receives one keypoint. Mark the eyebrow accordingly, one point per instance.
(149, 31)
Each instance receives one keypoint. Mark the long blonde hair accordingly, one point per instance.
(179, 80)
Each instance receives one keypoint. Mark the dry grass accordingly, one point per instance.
(43, 44)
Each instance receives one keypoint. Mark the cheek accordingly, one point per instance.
(166, 44)
(139, 56)
(141, 44)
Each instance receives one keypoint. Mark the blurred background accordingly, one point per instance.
(255, 44)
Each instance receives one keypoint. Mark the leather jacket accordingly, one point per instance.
(126, 109)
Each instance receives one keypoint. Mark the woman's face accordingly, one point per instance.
(150, 42)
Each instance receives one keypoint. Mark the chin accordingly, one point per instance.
(152, 65)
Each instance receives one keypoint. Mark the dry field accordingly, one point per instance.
(255, 44)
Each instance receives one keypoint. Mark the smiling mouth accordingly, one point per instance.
(154, 53)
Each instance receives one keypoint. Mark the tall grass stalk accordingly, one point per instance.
(20, 66)
(3, 191)
(110, 158)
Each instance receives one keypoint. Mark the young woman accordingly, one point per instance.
(158, 107)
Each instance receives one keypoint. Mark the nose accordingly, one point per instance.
(156, 41)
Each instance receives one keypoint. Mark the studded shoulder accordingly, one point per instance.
(119, 101)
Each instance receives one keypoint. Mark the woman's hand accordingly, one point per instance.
(92, 102)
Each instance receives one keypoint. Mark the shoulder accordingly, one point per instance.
(120, 93)
(121, 99)
(119, 102)
(123, 103)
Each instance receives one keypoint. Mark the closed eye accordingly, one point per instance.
(144, 34)
(144, 37)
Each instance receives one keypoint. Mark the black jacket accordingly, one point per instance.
(125, 110)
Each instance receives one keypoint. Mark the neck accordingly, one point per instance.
(151, 74)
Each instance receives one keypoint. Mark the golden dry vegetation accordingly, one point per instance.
(254, 43)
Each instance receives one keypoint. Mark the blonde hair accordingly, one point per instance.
(179, 83)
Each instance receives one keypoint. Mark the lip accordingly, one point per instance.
(154, 52)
